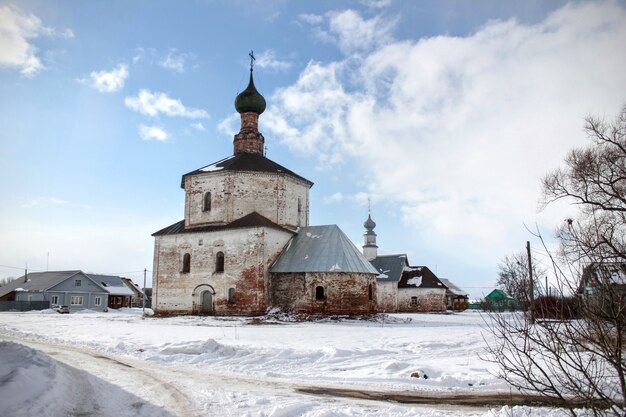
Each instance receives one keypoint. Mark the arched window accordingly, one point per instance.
(207, 202)
(370, 291)
(231, 296)
(319, 293)
(219, 262)
(186, 263)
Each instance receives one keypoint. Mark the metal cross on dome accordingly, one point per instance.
(252, 59)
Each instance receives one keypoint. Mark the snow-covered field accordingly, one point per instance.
(187, 366)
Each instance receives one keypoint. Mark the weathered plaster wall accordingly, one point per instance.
(236, 194)
(428, 300)
(387, 295)
(248, 252)
(344, 293)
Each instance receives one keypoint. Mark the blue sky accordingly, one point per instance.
(446, 114)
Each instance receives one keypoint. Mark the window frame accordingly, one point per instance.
(76, 298)
(78, 282)
(186, 266)
(231, 295)
(97, 301)
(206, 202)
(320, 295)
(220, 261)
(54, 299)
(414, 301)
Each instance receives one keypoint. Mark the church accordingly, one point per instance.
(245, 244)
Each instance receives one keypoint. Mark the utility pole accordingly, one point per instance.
(531, 289)
(143, 299)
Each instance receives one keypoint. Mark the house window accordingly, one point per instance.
(370, 292)
(219, 262)
(206, 206)
(96, 301)
(319, 293)
(299, 206)
(30, 298)
(414, 301)
(231, 296)
(77, 300)
(186, 263)
(77, 283)
(54, 299)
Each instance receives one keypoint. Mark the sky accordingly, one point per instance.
(444, 114)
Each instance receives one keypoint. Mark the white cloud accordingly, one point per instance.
(230, 125)
(312, 19)
(153, 104)
(45, 201)
(198, 126)
(176, 61)
(108, 81)
(459, 130)
(267, 59)
(353, 33)
(334, 198)
(17, 31)
(152, 132)
(376, 4)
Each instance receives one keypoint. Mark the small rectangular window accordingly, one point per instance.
(96, 301)
(77, 283)
(413, 301)
(77, 300)
(54, 299)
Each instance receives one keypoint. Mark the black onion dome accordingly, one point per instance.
(369, 223)
(250, 100)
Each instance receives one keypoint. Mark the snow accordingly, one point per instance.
(417, 281)
(249, 367)
(335, 267)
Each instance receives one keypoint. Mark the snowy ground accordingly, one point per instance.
(120, 364)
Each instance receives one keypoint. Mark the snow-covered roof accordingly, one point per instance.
(246, 162)
(113, 284)
(390, 267)
(322, 249)
(453, 288)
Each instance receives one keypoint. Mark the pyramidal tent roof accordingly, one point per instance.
(322, 249)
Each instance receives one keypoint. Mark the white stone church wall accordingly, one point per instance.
(248, 252)
(236, 194)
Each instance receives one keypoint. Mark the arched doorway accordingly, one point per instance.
(207, 302)
(203, 299)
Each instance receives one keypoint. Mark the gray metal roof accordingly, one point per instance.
(322, 249)
(38, 281)
(453, 288)
(113, 284)
(390, 267)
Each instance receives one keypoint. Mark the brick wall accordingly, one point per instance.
(344, 293)
(236, 194)
(247, 255)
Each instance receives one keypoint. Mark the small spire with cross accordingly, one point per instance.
(252, 59)
(369, 206)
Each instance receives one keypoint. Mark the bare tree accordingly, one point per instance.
(5, 281)
(579, 363)
(513, 276)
